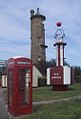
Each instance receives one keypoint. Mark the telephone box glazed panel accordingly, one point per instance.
(19, 86)
(56, 76)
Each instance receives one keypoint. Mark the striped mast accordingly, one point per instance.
(59, 44)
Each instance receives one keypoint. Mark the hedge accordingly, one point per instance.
(42, 81)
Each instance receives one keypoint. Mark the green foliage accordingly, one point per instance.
(66, 64)
(51, 63)
(42, 81)
(0, 77)
(77, 73)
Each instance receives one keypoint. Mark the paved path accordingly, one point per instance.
(3, 111)
(57, 100)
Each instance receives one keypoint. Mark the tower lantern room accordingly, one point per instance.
(59, 44)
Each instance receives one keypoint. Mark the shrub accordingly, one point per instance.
(42, 81)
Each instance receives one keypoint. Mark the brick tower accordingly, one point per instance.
(38, 46)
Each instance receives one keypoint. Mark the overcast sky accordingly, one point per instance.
(15, 27)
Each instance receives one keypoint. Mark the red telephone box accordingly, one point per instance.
(19, 85)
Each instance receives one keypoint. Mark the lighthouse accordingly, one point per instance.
(59, 44)
(59, 76)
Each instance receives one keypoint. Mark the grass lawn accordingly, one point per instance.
(46, 93)
(64, 110)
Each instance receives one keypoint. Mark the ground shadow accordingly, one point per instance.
(69, 89)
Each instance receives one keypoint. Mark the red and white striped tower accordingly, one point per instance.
(61, 75)
(59, 44)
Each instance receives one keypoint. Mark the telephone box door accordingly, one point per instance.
(24, 86)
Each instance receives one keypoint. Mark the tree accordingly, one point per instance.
(77, 73)
(50, 63)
